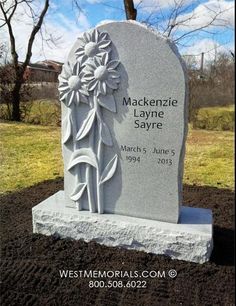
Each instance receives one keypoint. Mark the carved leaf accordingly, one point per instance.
(84, 155)
(78, 192)
(105, 134)
(108, 102)
(109, 171)
(67, 126)
(86, 125)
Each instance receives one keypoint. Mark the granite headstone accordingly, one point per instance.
(123, 93)
(124, 103)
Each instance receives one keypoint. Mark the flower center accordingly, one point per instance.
(74, 82)
(90, 49)
(101, 73)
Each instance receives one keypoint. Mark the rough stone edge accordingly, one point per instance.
(121, 231)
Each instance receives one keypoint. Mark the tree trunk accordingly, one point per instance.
(16, 97)
(130, 10)
(15, 116)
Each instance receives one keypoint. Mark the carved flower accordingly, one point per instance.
(101, 75)
(71, 88)
(92, 44)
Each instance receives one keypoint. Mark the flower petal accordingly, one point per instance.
(66, 70)
(88, 78)
(70, 98)
(95, 35)
(80, 53)
(87, 37)
(92, 85)
(86, 74)
(104, 43)
(108, 102)
(90, 66)
(103, 36)
(113, 64)
(81, 41)
(62, 82)
(78, 68)
(105, 58)
(104, 88)
(99, 88)
(80, 49)
(64, 95)
(64, 88)
(77, 98)
(97, 61)
(82, 60)
(61, 78)
(74, 71)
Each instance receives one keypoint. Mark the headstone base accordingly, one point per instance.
(189, 240)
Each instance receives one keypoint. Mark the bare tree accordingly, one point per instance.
(180, 21)
(179, 18)
(8, 9)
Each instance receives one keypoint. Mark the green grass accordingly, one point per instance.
(29, 154)
(209, 158)
(215, 118)
(32, 153)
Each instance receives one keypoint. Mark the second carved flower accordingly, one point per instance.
(101, 75)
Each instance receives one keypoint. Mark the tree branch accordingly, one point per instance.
(130, 10)
(10, 31)
(33, 34)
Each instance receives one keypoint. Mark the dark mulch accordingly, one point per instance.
(30, 264)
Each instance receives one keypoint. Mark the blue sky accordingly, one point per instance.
(65, 23)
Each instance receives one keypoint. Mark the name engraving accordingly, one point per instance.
(148, 115)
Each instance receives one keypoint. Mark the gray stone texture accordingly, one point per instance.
(190, 240)
(150, 66)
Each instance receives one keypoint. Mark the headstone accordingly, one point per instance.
(132, 106)
(123, 93)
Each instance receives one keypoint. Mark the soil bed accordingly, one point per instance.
(30, 263)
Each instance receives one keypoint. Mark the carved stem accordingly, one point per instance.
(75, 147)
(89, 174)
(100, 159)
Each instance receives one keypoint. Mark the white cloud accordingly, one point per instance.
(150, 6)
(216, 13)
(83, 22)
(57, 25)
(209, 47)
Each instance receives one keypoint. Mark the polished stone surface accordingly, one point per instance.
(149, 139)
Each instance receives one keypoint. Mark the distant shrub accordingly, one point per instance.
(214, 118)
(43, 112)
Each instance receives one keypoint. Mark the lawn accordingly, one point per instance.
(29, 154)
(32, 153)
(209, 158)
